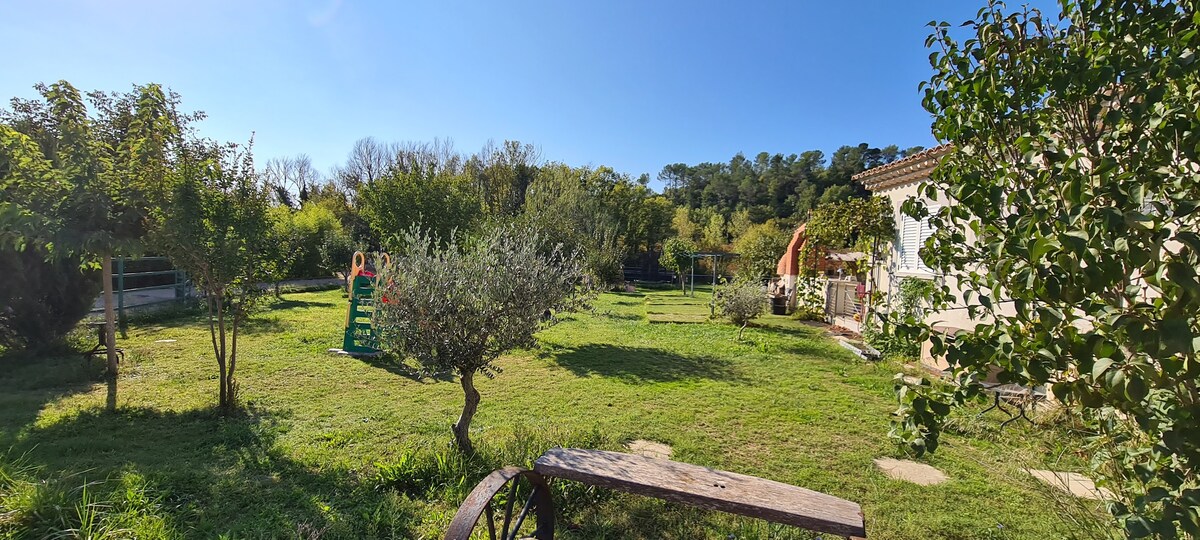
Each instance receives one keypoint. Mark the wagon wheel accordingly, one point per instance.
(514, 502)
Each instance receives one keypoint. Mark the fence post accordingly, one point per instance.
(830, 299)
(121, 294)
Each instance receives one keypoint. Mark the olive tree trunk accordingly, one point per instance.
(462, 428)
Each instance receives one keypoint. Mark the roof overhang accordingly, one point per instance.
(911, 169)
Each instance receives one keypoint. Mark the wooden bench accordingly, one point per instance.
(659, 478)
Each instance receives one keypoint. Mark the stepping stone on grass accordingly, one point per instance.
(1074, 483)
(910, 471)
(650, 449)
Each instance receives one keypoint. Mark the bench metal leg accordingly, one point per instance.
(995, 405)
(1021, 409)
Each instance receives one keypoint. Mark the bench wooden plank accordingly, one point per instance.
(707, 488)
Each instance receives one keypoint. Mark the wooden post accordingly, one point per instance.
(110, 323)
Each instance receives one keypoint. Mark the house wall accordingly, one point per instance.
(889, 272)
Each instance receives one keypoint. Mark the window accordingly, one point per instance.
(913, 234)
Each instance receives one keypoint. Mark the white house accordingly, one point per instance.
(898, 181)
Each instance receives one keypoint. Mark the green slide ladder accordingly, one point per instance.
(359, 337)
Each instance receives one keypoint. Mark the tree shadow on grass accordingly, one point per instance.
(620, 316)
(292, 304)
(215, 474)
(271, 324)
(392, 364)
(642, 364)
(27, 384)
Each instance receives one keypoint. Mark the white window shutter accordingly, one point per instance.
(913, 235)
(910, 236)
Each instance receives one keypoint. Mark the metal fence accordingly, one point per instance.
(842, 298)
(137, 283)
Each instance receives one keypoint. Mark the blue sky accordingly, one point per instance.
(632, 85)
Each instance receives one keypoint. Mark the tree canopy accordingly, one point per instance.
(1072, 234)
(775, 185)
(458, 307)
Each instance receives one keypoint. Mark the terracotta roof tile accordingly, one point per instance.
(905, 170)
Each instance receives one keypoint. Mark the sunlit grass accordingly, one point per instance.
(320, 447)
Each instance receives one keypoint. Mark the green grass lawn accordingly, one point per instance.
(335, 447)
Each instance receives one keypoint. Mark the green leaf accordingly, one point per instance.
(1135, 389)
(1176, 336)
(1138, 220)
(1101, 365)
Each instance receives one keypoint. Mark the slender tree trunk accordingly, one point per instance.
(230, 381)
(462, 428)
(223, 399)
(212, 329)
(110, 318)
(742, 330)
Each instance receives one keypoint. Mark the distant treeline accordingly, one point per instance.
(774, 185)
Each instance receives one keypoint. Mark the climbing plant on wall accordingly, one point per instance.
(866, 225)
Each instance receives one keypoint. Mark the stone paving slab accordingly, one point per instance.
(1074, 483)
(911, 471)
(650, 449)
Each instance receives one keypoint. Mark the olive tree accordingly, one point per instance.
(456, 307)
(215, 227)
(1070, 224)
(741, 301)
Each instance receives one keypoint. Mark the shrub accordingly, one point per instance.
(810, 299)
(909, 304)
(336, 249)
(741, 302)
(759, 249)
(40, 300)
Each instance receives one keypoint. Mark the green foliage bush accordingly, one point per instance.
(810, 299)
(313, 223)
(741, 301)
(337, 247)
(40, 300)
(759, 249)
(909, 304)
(298, 237)
(1072, 184)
